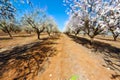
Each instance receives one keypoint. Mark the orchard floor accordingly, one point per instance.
(18, 39)
(75, 61)
(71, 61)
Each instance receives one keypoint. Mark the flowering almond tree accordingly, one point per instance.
(7, 12)
(51, 26)
(75, 24)
(7, 15)
(112, 18)
(67, 29)
(36, 19)
(91, 13)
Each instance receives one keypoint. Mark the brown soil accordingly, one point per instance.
(18, 39)
(56, 59)
(25, 62)
(74, 59)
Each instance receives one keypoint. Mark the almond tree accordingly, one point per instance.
(5, 28)
(67, 29)
(112, 18)
(6, 9)
(16, 28)
(92, 13)
(75, 24)
(9, 26)
(55, 28)
(36, 19)
(28, 29)
(6, 15)
(51, 26)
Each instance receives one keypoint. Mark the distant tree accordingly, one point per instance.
(5, 28)
(67, 29)
(15, 26)
(8, 27)
(28, 30)
(36, 19)
(55, 29)
(51, 26)
(75, 24)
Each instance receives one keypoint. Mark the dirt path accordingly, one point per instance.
(73, 60)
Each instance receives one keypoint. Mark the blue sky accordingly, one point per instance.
(55, 8)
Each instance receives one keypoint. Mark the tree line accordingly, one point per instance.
(93, 17)
(32, 20)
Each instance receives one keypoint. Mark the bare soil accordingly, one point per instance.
(75, 60)
(26, 61)
(19, 39)
(60, 58)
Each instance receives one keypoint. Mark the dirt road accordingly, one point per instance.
(75, 61)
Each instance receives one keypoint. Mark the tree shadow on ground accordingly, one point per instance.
(25, 61)
(5, 38)
(8, 38)
(24, 35)
(98, 46)
(111, 53)
(118, 40)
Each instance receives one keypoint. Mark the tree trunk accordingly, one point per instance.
(48, 33)
(75, 34)
(115, 38)
(91, 40)
(84, 34)
(9, 33)
(38, 35)
(114, 35)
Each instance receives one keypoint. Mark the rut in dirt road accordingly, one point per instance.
(74, 60)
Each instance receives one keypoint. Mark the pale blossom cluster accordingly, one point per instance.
(94, 16)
